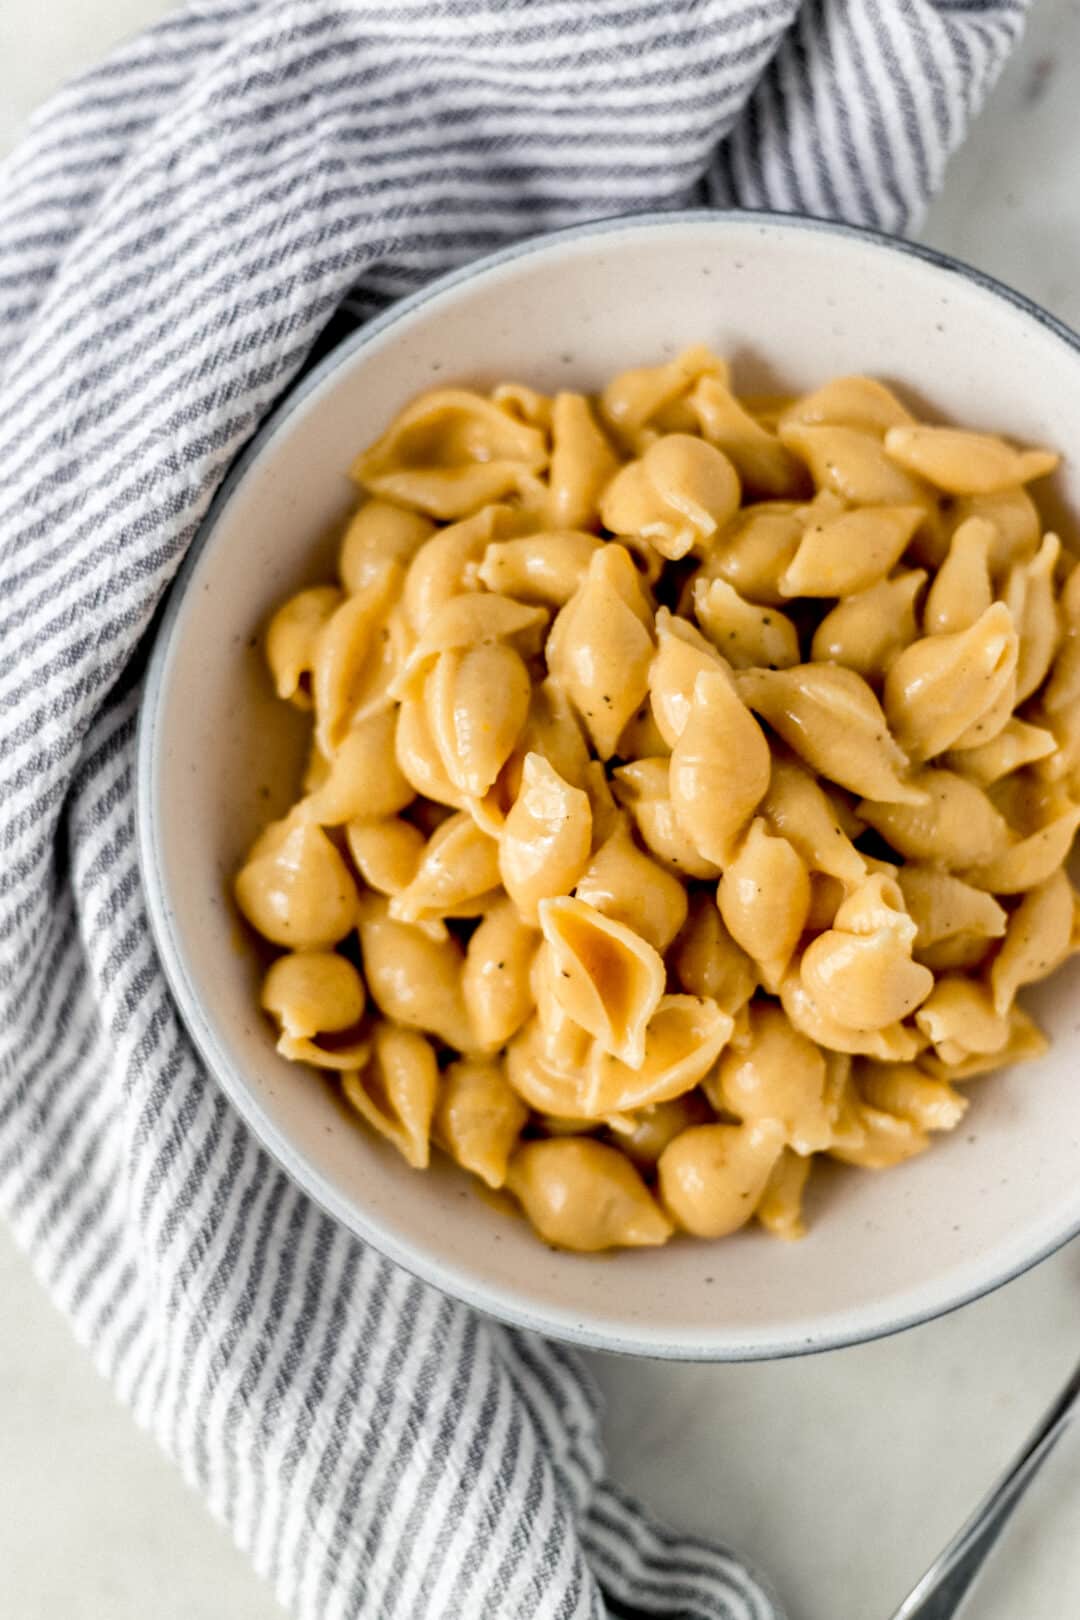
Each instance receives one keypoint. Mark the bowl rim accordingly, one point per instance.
(940, 1299)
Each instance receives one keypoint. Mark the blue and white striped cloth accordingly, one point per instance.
(178, 230)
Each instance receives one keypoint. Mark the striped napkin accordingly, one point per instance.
(178, 231)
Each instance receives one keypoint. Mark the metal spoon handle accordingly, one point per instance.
(942, 1589)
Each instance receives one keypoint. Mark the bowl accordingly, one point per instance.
(791, 302)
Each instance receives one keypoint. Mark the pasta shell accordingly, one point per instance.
(396, 1092)
(952, 821)
(1026, 1041)
(290, 639)
(417, 757)
(877, 903)
(563, 1042)
(764, 899)
(1031, 596)
(1015, 520)
(1038, 939)
(523, 403)
(653, 1128)
(944, 907)
(600, 647)
(385, 853)
(1017, 744)
(552, 730)
(1063, 688)
(545, 1077)
(894, 1043)
(683, 1040)
(768, 408)
(856, 402)
(363, 779)
(478, 1119)
(547, 838)
(1028, 861)
(457, 872)
(585, 1196)
(605, 808)
(864, 980)
(960, 1019)
(463, 623)
(338, 1053)
(625, 885)
(295, 889)
(495, 982)
(605, 977)
(764, 465)
(992, 721)
(634, 397)
(693, 479)
(853, 464)
(841, 1101)
(775, 1073)
(449, 452)
(644, 789)
(903, 1090)
(841, 555)
(941, 687)
(682, 653)
(477, 703)
(754, 550)
(313, 992)
(832, 719)
(448, 565)
(798, 808)
(712, 1177)
(582, 463)
(964, 949)
(962, 590)
(677, 495)
(413, 979)
(719, 769)
(964, 463)
(884, 1140)
(678, 417)
(1064, 726)
(866, 631)
(779, 1208)
(707, 962)
(561, 1047)
(378, 533)
(546, 568)
(355, 657)
(746, 635)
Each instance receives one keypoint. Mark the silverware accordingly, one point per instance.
(941, 1591)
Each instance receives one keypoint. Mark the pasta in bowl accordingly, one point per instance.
(643, 1022)
(401, 1038)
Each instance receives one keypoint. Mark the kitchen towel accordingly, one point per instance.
(179, 229)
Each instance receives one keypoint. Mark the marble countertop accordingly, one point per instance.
(842, 1474)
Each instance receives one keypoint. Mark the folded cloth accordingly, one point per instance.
(178, 231)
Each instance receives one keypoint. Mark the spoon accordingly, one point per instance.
(941, 1591)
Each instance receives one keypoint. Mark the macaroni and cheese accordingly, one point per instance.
(690, 789)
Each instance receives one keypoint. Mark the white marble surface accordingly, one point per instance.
(841, 1475)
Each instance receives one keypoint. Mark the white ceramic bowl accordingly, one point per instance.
(792, 302)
